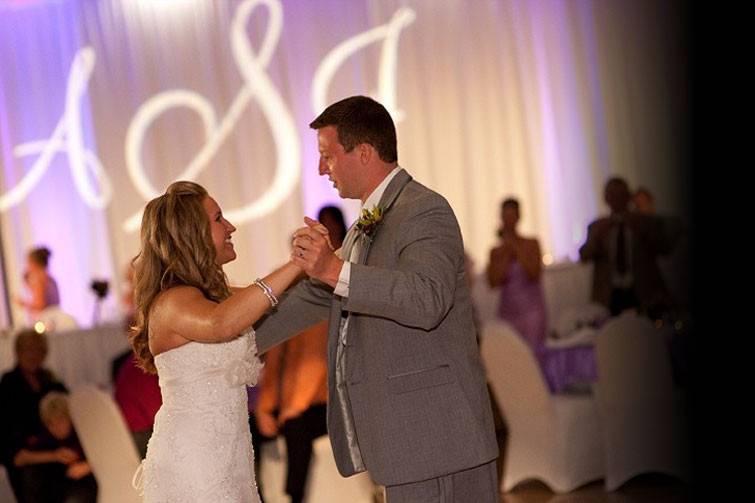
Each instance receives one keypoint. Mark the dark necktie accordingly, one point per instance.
(621, 250)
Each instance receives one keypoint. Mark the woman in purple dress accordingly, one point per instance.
(515, 268)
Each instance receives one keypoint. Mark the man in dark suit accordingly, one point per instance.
(408, 400)
(624, 248)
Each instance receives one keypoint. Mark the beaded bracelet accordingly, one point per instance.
(267, 291)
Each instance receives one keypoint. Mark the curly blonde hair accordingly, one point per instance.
(176, 249)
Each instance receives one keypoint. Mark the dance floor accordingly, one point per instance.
(648, 488)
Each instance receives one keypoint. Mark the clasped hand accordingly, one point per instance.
(313, 251)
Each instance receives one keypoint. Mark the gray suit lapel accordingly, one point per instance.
(394, 189)
(386, 201)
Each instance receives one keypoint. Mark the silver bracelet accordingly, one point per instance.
(267, 291)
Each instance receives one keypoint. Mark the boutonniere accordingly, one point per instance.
(369, 221)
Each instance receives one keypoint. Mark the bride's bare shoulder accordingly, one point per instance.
(165, 315)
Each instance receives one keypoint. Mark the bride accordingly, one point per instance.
(195, 333)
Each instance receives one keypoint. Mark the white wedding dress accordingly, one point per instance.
(201, 446)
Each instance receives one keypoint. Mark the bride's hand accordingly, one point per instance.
(314, 224)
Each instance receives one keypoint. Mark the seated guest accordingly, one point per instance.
(21, 390)
(624, 248)
(42, 287)
(516, 268)
(52, 465)
(138, 396)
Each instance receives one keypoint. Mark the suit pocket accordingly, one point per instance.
(420, 379)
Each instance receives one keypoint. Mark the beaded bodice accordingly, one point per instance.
(201, 449)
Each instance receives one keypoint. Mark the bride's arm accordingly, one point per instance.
(185, 312)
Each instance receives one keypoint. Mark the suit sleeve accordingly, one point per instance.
(592, 248)
(420, 291)
(303, 306)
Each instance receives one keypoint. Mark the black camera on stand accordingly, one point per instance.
(100, 287)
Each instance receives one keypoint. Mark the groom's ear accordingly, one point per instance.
(366, 151)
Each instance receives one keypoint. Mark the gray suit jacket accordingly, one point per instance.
(415, 381)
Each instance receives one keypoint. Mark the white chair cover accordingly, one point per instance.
(642, 412)
(555, 439)
(107, 443)
(272, 457)
(324, 483)
(6, 491)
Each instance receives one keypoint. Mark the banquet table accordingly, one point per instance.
(76, 357)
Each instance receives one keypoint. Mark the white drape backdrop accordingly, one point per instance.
(539, 99)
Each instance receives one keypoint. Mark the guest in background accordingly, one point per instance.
(127, 297)
(42, 287)
(673, 319)
(516, 267)
(52, 464)
(136, 391)
(128, 309)
(21, 390)
(624, 248)
(332, 218)
(643, 201)
(138, 396)
(293, 390)
(292, 400)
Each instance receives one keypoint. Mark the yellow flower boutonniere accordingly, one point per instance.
(369, 220)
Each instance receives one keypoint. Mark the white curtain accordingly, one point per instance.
(540, 99)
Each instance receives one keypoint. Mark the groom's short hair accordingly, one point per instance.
(360, 119)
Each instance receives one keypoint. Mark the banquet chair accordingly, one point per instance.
(107, 443)
(325, 484)
(553, 438)
(642, 412)
(6, 492)
(272, 457)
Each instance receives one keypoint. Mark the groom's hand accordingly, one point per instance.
(313, 252)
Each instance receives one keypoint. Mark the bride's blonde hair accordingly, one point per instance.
(176, 249)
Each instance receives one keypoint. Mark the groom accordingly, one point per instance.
(407, 395)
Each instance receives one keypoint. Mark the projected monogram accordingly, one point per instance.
(67, 137)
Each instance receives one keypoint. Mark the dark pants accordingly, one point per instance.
(257, 440)
(478, 485)
(47, 483)
(299, 433)
(141, 439)
(622, 299)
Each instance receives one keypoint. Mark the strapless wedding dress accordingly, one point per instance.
(201, 446)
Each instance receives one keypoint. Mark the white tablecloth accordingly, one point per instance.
(81, 356)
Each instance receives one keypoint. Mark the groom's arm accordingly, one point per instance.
(301, 307)
(421, 289)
